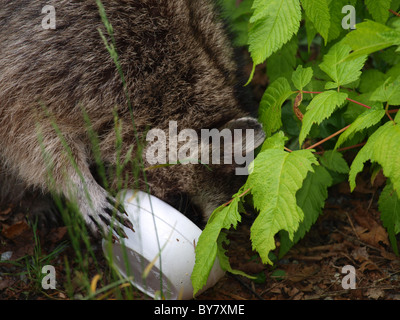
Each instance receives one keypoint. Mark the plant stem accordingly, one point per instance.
(242, 195)
(328, 138)
(359, 103)
(346, 148)
(394, 12)
(312, 92)
(387, 112)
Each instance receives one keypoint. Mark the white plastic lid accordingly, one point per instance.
(160, 254)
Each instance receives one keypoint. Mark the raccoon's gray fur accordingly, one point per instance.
(178, 65)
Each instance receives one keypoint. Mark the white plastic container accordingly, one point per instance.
(160, 254)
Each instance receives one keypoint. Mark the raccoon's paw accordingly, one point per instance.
(42, 211)
(103, 214)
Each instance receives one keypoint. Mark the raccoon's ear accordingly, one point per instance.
(252, 124)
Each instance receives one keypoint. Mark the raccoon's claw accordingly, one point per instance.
(117, 205)
(103, 214)
(114, 218)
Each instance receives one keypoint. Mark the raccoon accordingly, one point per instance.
(178, 65)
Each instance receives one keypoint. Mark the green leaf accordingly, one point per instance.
(277, 141)
(223, 217)
(310, 30)
(302, 77)
(389, 206)
(366, 40)
(330, 85)
(318, 12)
(370, 80)
(358, 163)
(274, 22)
(275, 196)
(334, 161)
(224, 259)
(335, 10)
(394, 72)
(261, 9)
(311, 199)
(390, 56)
(395, 5)
(388, 92)
(392, 36)
(397, 118)
(379, 9)
(354, 110)
(238, 18)
(366, 120)
(283, 62)
(319, 109)
(340, 71)
(382, 147)
(270, 111)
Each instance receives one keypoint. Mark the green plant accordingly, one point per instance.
(330, 86)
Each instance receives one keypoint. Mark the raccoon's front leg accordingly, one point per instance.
(96, 205)
(42, 161)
